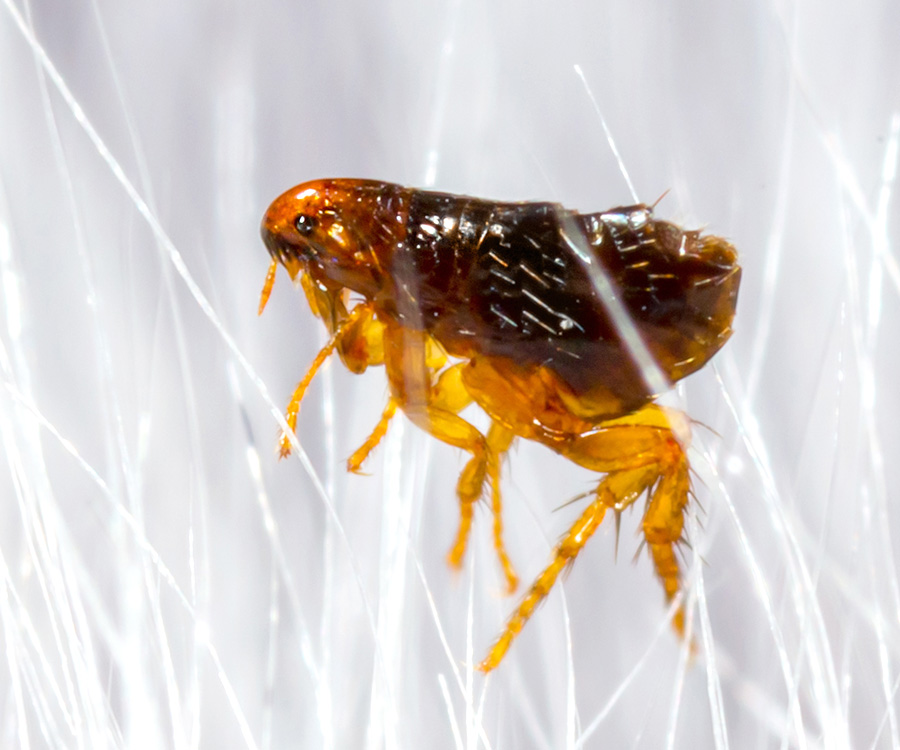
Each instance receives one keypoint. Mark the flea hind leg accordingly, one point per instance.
(655, 439)
(638, 453)
(663, 525)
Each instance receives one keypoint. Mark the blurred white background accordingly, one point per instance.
(167, 583)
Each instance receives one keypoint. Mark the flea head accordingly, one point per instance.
(337, 231)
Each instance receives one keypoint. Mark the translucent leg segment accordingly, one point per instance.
(470, 482)
(663, 525)
(433, 404)
(293, 407)
(499, 440)
(355, 462)
(639, 454)
(563, 555)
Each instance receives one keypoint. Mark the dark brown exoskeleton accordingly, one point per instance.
(498, 303)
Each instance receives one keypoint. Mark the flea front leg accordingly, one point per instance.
(345, 333)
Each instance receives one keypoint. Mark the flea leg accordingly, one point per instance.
(363, 344)
(563, 555)
(637, 453)
(499, 440)
(663, 524)
(355, 462)
(433, 405)
(346, 329)
(454, 430)
(443, 396)
(450, 393)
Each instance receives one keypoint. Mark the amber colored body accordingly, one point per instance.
(471, 300)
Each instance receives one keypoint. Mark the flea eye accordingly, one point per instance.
(305, 224)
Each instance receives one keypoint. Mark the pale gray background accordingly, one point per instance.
(168, 583)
